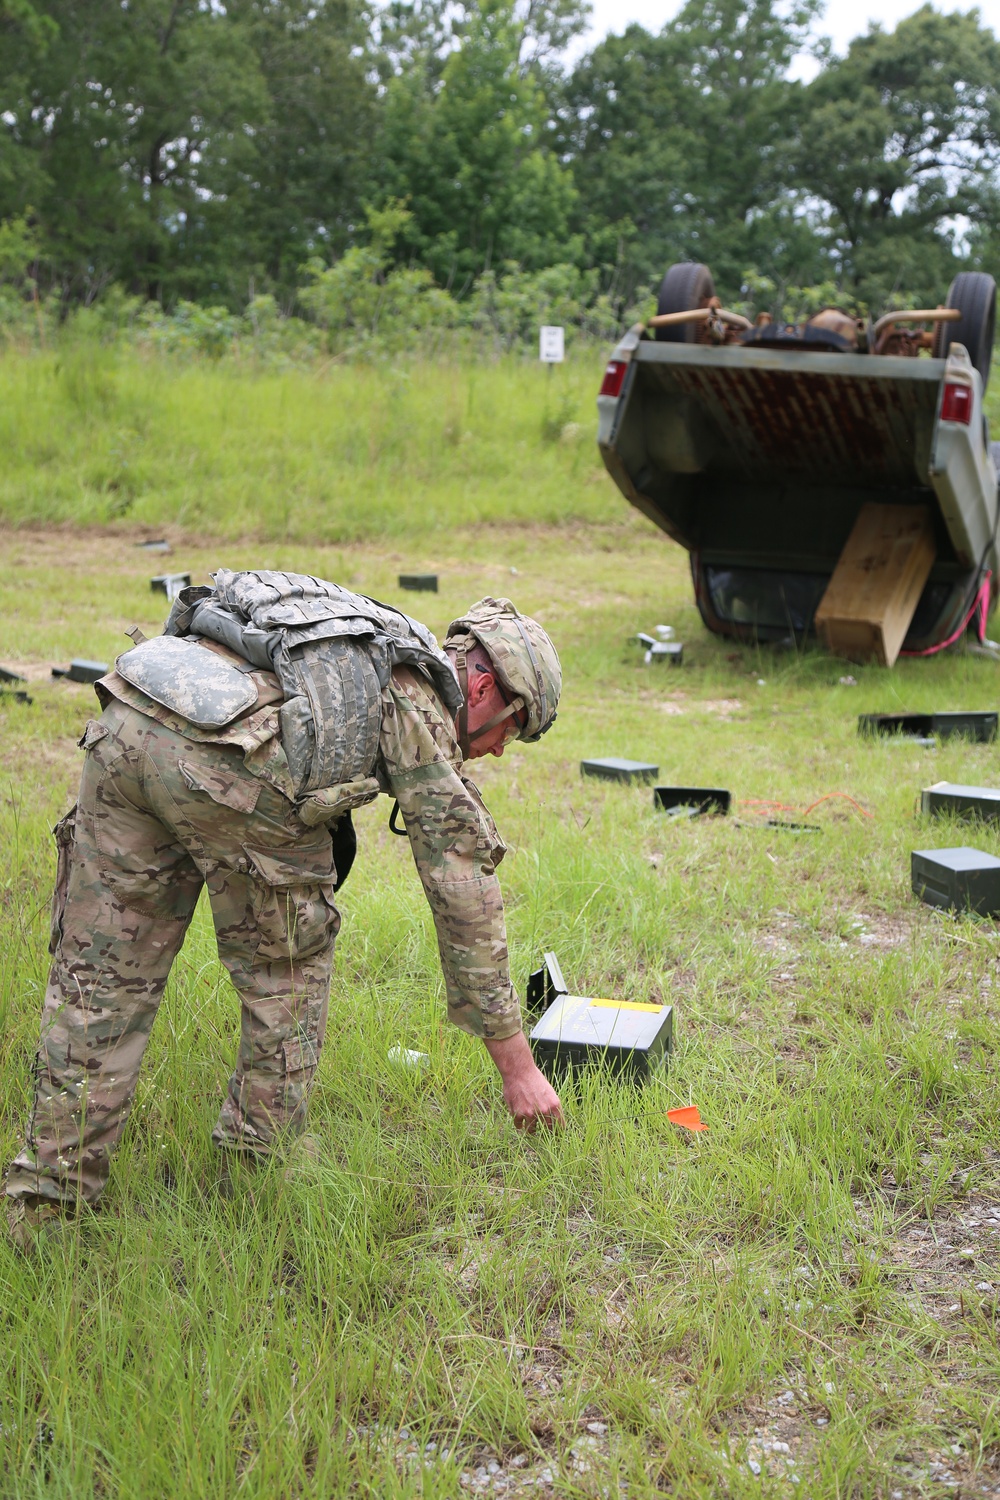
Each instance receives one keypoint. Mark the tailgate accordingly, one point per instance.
(820, 418)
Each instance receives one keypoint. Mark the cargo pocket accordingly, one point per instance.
(300, 1054)
(65, 834)
(293, 905)
(236, 789)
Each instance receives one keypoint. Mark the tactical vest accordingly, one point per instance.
(332, 651)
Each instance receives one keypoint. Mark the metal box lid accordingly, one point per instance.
(958, 861)
(614, 768)
(954, 791)
(544, 984)
(610, 1025)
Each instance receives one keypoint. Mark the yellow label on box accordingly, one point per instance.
(653, 1010)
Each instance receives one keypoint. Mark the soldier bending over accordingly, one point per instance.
(230, 753)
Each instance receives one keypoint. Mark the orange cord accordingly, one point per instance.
(763, 805)
(847, 798)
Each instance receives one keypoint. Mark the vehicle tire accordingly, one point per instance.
(685, 286)
(975, 295)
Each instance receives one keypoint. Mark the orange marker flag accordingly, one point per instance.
(688, 1117)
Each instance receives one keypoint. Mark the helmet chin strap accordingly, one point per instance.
(463, 712)
(505, 713)
(465, 739)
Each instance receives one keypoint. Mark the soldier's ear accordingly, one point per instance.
(481, 684)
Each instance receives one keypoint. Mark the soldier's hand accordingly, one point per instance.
(528, 1095)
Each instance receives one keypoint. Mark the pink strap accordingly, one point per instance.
(980, 604)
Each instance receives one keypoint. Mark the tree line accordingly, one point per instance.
(296, 151)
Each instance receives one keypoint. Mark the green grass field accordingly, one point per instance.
(325, 454)
(800, 1301)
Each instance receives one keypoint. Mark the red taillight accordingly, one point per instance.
(956, 404)
(614, 377)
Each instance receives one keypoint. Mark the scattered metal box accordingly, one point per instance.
(16, 694)
(6, 675)
(674, 799)
(980, 726)
(977, 725)
(626, 1037)
(544, 985)
(419, 582)
(170, 583)
(613, 768)
(879, 726)
(949, 799)
(82, 671)
(159, 544)
(957, 879)
(661, 651)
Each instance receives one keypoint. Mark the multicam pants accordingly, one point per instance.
(160, 815)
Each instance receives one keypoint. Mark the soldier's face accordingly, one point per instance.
(485, 702)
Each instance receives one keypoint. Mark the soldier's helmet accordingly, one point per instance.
(526, 662)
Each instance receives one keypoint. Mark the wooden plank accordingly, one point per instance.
(876, 585)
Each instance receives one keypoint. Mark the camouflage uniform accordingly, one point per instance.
(166, 807)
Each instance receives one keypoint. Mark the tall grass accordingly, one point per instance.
(94, 435)
(624, 1308)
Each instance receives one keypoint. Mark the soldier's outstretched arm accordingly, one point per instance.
(456, 848)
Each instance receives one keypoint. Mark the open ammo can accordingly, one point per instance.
(979, 726)
(628, 1037)
(625, 1036)
(696, 799)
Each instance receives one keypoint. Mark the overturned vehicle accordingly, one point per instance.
(834, 476)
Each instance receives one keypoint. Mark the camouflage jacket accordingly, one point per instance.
(455, 843)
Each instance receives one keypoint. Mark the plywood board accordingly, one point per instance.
(876, 585)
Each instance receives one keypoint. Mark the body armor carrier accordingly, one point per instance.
(332, 651)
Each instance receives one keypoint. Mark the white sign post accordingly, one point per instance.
(551, 345)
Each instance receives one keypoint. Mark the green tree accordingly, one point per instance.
(680, 141)
(900, 139)
(465, 142)
(135, 117)
(311, 144)
(25, 36)
(180, 147)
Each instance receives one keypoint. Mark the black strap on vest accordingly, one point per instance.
(399, 832)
